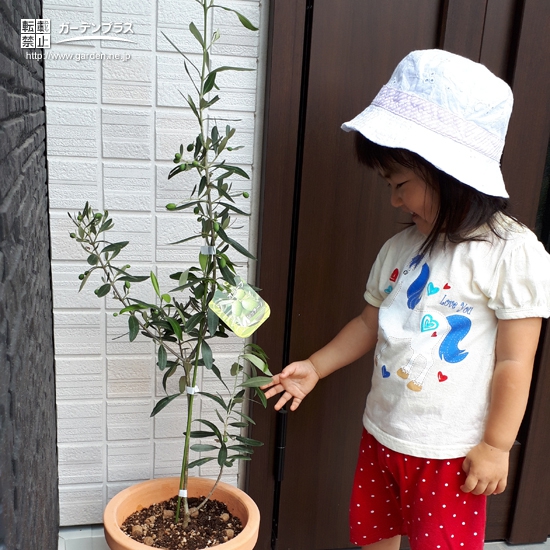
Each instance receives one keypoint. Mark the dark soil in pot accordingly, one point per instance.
(210, 526)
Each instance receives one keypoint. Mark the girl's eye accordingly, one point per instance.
(397, 186)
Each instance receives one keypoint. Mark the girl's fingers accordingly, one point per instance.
(478, 487)
(277, 378)
(491, 488)
(267, 386)
(274, 390)
(289, 378)
(274, 381)
(287, 371)
(283, 400)
(470, 484)
(295, 404)
(500, 487)
(481, 489)
(474, 486)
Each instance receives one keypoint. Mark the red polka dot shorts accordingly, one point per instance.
(396, 494)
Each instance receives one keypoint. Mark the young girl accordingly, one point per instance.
(454, 308)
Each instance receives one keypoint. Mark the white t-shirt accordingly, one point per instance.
(438, 318)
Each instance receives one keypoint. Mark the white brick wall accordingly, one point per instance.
(113, 127)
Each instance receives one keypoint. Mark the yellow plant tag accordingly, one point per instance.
(240, 307)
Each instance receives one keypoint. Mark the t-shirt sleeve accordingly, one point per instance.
(375, 295)
(521, 282)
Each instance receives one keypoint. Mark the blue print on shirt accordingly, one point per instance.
(448, 351)
(415, 291)
(435, 335)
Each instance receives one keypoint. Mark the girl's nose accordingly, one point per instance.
(395, 198)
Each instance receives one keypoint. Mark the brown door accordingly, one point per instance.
(325, 218)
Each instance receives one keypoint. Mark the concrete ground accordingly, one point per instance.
(504, 546)
(91, 538)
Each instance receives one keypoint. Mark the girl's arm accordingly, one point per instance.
(486, 465)
(351, 343)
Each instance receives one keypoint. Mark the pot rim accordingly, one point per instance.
(250, 531)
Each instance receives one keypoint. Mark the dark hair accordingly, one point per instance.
(462, 209)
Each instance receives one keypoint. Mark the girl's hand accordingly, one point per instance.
(486, 468)
(296, 381)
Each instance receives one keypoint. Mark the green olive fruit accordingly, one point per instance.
(249, 304)
(246, 195)
(236, 308)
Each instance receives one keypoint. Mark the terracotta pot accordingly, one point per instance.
(127, 501)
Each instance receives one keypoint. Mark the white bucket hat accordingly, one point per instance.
(451, 111)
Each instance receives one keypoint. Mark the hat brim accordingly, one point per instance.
(463, 163)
